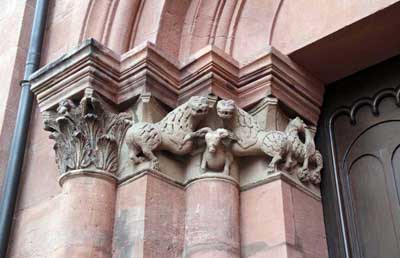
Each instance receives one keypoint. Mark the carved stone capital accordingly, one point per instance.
(218, 139)
(160, 92)
(291, 150)
(86, 135)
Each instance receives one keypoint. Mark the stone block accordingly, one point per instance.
(149, 221)
(279, 220)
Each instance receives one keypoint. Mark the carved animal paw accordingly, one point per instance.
(271, 169)
(137, 160)
(304, 175)
(155, 164)
(315, 178)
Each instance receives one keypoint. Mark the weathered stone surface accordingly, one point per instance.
(168, 134)
(212, 219)
(17, 15)
(122, 78)
(154, 216)
(149, 220)
(292, 150)
(180, 64)
(250, 138)
(86, 136)
(86, 217)
(130, 210)
(217, 156)
(34, 230)
(76, 223)
(278, 220)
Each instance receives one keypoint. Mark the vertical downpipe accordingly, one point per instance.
(20, 134)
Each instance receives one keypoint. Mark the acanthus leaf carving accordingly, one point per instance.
(86, 135)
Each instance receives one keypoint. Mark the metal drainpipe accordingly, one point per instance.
(20, 135)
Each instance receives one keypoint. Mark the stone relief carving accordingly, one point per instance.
(286, 146)
(168, 134)
(290, 150)
(217, 155)
(86, 135)
(251, 139)
(303, 152)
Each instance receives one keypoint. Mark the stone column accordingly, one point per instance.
(277, 164)
(86, 217)
(280, 212)
(87, 139)
(212, 218)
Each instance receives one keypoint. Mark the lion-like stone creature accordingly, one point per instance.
(287, 146)
(168, 134)
(251, 139)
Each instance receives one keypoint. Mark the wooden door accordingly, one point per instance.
(359, 135)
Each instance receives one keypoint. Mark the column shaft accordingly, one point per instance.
(86, 217)
(212, 219)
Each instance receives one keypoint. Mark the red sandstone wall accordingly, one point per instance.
(179, 27)
(296, 229)
(15, 26)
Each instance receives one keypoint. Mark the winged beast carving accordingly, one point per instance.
(251, 139)
(168, 134)
(283, 147)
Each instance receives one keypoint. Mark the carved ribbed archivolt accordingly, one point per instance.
(86, 135)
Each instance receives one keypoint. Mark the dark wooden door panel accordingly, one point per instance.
(359, 135)
(395, 162)
(372, 216)
(367, 180)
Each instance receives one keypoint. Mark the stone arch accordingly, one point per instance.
(230, 25)
(254, 29)
(180, 28)
(94, 22)
(207, 22)
(123, 24)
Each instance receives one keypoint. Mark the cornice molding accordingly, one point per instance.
(120, 79)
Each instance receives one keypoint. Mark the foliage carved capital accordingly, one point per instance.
(86, 136)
